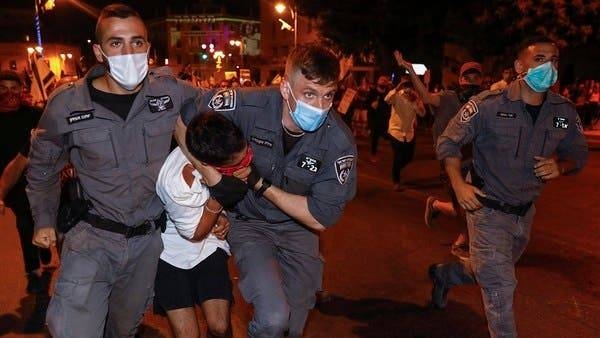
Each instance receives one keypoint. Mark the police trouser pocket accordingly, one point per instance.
(75, 284)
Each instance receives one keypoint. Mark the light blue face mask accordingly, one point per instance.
(307, 117)
(542, 77)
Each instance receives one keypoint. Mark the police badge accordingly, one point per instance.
(343, 166)
(223, 100)
(467, 111)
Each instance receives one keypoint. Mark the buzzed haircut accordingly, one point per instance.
(213, 139)
(315, 62)
(114, 11)
(535, 40)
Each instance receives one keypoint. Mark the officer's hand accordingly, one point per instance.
(401, 62)
(44, 237)
(546, 168)
(466, 195)
(222, 227)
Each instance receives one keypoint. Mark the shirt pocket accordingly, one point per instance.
(96, 149)
(157, 137)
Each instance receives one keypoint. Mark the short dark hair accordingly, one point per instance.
(114, 11)
(213, 139)
(535, 40)
(9, 75)
(315, 62)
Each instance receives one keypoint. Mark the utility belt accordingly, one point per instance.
(519, 210)
(145, 228)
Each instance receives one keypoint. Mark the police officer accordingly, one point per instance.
(305, 173)
(523, 137)
(115, 127)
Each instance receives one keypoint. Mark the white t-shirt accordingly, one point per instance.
(184, 206)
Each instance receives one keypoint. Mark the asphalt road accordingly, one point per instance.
(378, 254)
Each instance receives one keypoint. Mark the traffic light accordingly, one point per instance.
(45, 5)
(204, 56)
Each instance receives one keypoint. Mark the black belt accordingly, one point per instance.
(519, 210)
(109, 225)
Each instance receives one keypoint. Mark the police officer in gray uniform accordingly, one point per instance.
(523, 137)
(304, 174)
(115, 126)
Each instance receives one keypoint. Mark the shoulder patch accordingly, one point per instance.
(223, 100)
(343, 166)
(468, 110)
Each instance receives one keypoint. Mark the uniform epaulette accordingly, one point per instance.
(485, 94)
(64, 88)
(162, 72)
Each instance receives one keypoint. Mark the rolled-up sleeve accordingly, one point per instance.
(463, 127)
(334, 188)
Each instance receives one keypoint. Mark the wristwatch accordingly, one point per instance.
(264, 186)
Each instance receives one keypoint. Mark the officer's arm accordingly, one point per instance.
(329, 192)
(47, 157)
(460, 131)
(296, 206)
(573, 150)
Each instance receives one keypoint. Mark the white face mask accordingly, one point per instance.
(129, 70)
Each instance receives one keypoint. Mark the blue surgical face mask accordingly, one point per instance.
(307, 117)
(542, 77)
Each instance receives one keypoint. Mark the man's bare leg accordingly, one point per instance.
(183, 323)
(218, 317)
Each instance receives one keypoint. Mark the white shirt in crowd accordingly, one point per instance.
(403, 118)
(184, 206)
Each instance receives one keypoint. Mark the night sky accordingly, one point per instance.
(68, 23)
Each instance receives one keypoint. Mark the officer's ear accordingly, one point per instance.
(284, 89)
(520, 67)
(98, 52)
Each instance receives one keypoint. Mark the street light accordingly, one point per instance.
(280, 7)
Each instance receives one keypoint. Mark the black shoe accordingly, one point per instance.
(35, 284)
(37, 321)
(45, 256)
(439, 292)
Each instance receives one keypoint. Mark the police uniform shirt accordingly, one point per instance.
(116, 160)
(321, 166)
(506, 140)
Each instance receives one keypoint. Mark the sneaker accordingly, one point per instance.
(34, 283)
(45, 256)
(430, 212)
(439, 292)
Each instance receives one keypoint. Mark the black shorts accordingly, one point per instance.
(177, 288)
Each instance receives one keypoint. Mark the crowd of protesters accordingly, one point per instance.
(384, 110)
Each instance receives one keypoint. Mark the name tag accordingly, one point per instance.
(80, 117)
(506, 115)
(261, 142)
